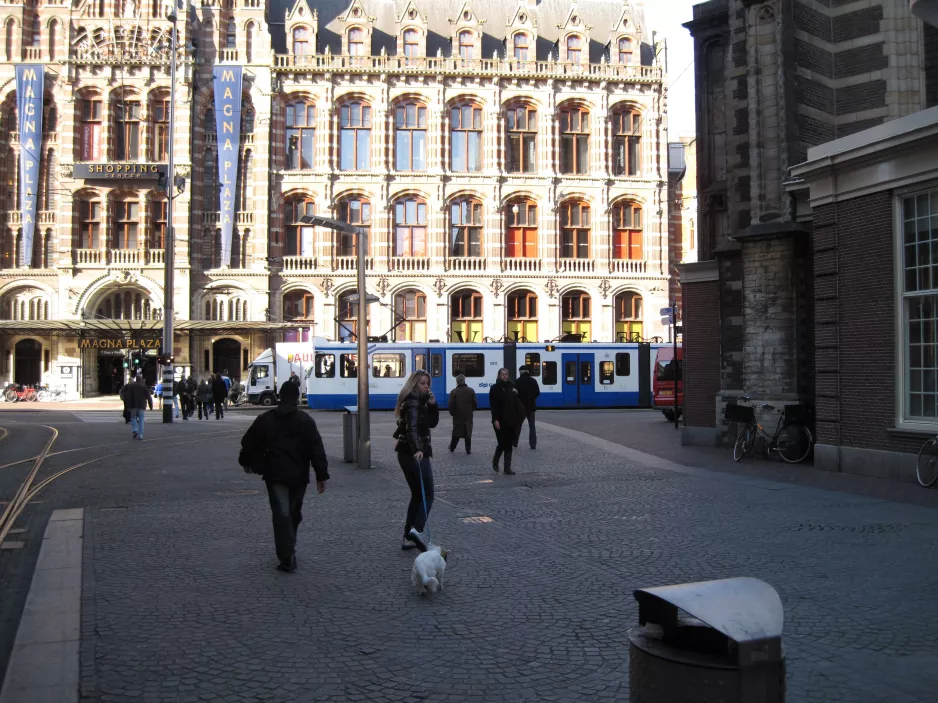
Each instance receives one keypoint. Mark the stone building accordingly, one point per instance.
(775, 79)
(682, 212)
(507, 158)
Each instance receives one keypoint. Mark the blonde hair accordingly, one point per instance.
(408, 388)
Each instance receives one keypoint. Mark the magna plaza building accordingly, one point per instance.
(507, 159)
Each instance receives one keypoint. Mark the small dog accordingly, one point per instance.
(429, 568)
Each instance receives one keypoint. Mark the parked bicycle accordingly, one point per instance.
(47, 394)
(15, 393)
(926, 466)
(792, 439)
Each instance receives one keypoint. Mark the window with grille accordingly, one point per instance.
(521, 145)
(410, 309)
(521, 237)
(301, 135)
(574, 140)
(466, 136)
(410, 227)
(466, 317)
(410, 137)
(299, 236)
(355, 137)
(91, 131)
(627, 231)
(576, 314)
(575, 230)
(466, 228)
(355, 211)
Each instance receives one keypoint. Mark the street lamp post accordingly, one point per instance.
(364, 417)
(168, 283)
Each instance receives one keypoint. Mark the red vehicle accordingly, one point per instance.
(666, 367)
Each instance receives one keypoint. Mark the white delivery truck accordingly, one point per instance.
(272, 368)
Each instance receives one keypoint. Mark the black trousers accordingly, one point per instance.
(219, 408)
(506, 442)
(286, 508)
(416, 517)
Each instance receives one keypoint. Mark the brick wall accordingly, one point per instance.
(701, 352)
(731, 321)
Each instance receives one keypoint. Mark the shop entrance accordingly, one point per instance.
(28, 365)
(110, 372)
(226, 354)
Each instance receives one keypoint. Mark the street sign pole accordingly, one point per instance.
(676, 366)
(364, 417)
(169, 243)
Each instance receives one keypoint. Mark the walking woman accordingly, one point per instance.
(507, 416)
(417, 413)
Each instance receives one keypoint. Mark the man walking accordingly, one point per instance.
(281, 445)
(227, 379)
(462, 403)
(528, 391)
(219, 396)
(138, 398)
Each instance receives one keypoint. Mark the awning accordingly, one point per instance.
(75, 328)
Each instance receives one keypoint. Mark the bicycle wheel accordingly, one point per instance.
(31, 394)
(11, 396)
(44, 396)
(926, 466)
(794, 443)
(743, 443)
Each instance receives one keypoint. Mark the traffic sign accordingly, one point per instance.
(667, 320)
(666, 311)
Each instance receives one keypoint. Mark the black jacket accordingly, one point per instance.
(528, 391)
(283, 443)
(220, 390)
(505, 405)
(138, 396)
(418, 417)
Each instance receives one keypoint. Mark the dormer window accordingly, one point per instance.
(522, 46)
(300, 41)
(466, 45)
(574, 48)
(356, 42)
(625, 50)
(411, 43)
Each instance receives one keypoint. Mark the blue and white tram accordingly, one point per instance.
(570, 375)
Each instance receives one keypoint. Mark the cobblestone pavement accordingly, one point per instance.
(181, 601)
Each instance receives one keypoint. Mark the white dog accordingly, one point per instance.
(429, 568)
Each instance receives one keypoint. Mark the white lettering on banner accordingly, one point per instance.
(227, 83)
(29, 90)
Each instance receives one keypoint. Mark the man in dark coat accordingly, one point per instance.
(219, 394)
(137, 399)
(281, 445)
(462, 403)
(507, 416)
(528, 391)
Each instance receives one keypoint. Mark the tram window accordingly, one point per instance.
(388, 365)
(586, 372)
(436, 365)
(623, 364)
(420, 362)
(606, 373)
(569, 373)
(348, 368)
(550, 373)
(325, 366)
(533, 362)
(469, 365)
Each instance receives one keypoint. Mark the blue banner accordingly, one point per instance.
(29, 87)
(228, 133)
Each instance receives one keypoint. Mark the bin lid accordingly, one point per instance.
(351, 408)
(744, 609)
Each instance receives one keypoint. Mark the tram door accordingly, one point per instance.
(579, 385)
(431, 361)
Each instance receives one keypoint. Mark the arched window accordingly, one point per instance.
(298, 305)
(249, 42)
(90, 136)
(127, 130)
(247, 182)
(355, 136)
(301, 41)
(522, 230)
(48, 191)
(626, 143)
(356, 211)
(346, 308)
(467, 45)
(160, 122)
(247, 118)
(299, 236)
(8, 39)
(410, 310)
(576, 314)
(521, 145)
(210, 191)
(410, 137)
(466, 137)
(53, 38)
(466, 316)
(51, 121)
(574, 140)
(127, 305)
(89, 224)
(627, 231)
(410, 227)
(575, 230)
(522, 46)
(625, 50)
(411, 43)
(356, 42)
(301, 135)
(37, 32)
(574, 48)
(522, 316)
(628, 312)
(231, 36)
(156, 239)
(466, 227)
(126, 224)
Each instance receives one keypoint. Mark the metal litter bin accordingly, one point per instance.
(350, 433)
(715, 641)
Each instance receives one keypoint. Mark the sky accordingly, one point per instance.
(666, 17)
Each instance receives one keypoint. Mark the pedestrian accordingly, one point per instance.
(462, 404)
(205, 399)
(219, 394)
(294, 379)
(184, 397)
(417, 413)
(138, 398)
(175, 392)
(507, 416)
(528, 391)
(124, 397)
(281, 445)
(227, 379)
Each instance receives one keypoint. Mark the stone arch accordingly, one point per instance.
(97, 289)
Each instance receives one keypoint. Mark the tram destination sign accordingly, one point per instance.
(121, 344)
(119, 171)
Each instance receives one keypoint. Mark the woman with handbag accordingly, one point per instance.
(507, 416)
(417, 413)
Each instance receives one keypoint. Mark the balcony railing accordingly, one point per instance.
(576, 266)
(155, 257)
(466, 263)
(628, 266)
(252, 4)
(86, 257)
(124, 257)
(299, 264)
(514, 265)
(410, 263)
(243, 219)
(46, 217)
(229, 55)
(14, 218)
(350, 263)
(32, 53)
(211, 218)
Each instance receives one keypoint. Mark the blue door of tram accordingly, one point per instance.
(432, 361)
(578, 382)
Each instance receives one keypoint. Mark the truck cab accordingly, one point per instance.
(668, 373)
(260, 386)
